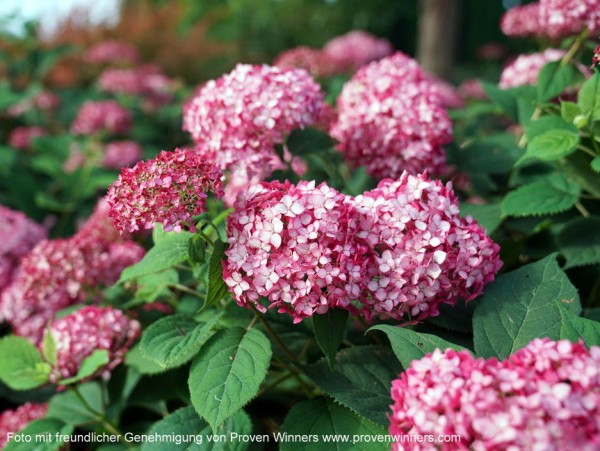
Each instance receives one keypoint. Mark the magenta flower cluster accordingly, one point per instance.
(119, 154)
(355, 49)
(526, 68)
(101, 116)
(20, 137)
(397, 251)
(544, 396)
(171, 189)
(391, 119)
(89, 329)
(17, 419)
(112, 52)
(145, 81)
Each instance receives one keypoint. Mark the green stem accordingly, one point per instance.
(587, 150)
(179, 287)
(275, 383)
(275, 336)
(582, 210)
(575, 47)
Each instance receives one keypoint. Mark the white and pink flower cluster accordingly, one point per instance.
(89, 329)
(545, 396)
(397, 251)
(391, 119)
(525, 69)
(238, 119)
(552, 18)
(14, 420)
(102, 116)
(59, 273)
(119, 154)
(171, 189)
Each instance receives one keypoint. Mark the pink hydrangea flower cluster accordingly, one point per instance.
(448, 94)
(391, 118)
(102, 116)
(89, 329)
(313, 61)
(596, 57)
(561, 18)
(170, 189)
(238, 119)
(20, 137)
(16, 419)
(145, 81)
(19, 235)
(525, 69)
(355, 49)
(118, 154)
(44, 101)
(109, 52)
(544, 396)
(522, 21)
(59, 273)
(472, 88)
(397, 251)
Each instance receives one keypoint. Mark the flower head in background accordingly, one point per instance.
(109, 52)
(522, 21)
(14, 420)
(391, 119)
(526, 68)
(561, 18)
(313, 61)
(596, 57)
(145, 81)
(171, 189)
(544, 396)
(102, 116)
(44, 101)
(119, 154)
(20, 137)
(355, 49)
(89, 329)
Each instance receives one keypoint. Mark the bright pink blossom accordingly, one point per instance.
(522, 21)
(355, 49)
(525, 69)
(102, 116)
(391, 118)
(170, 189)
(17, 419)
(89, 329)
(21, 137)
(560, 18)
(313, 61)
(119, 154)
(110, 51)
(545, 396)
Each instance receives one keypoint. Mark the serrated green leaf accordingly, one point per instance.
(579, 241)
(227, 373)
(588, 98)
(308, 140)
(595, 164)
(569, 111)
(551, 145)
(328, 426)
(185, 422)
(547, 123)
(41, 428)
(171, 250)
(487, 215)
(67, 406)
(152, 286)
(361, 380)
(136, 359)
(216, 286)
(575, 328)
(553, 79)
(21, 365)
(175, 339)
(329, 332)
(550, 196)
(89, 366)
(409, 345)
(520, 306)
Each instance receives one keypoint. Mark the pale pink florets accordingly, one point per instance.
(19, 235)
(44, 101)
(21, 137)
(146, 81)
(101, 116)
(545, 396)
(355, 49)
(108, 52)
(522, 21)
(561, 18)
(92, 328)
(391, 119)
(170, 189)
(526, 68)
(17, 419)
(119, 154)
(314, 61)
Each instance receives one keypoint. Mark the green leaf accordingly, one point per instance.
(185, 422)
(49, 348)
(308, 140)
(328, 426)
(175, 339)
(491, 155)
(136, 359)
(547, 123)
(197, 249)
(227, 373)
(575, 328)
(171, 250)
(520, 306)
(216, 286)
(569, 111)
(551, 145)
(550, 196)
(329, 332)
(588, 98)
(595, 164)
(21, 365)
(504, 99)
(7, 159)
(409, 345)
(487, 215)
(41, 435)
(67, 406)
(553, 79)
(579, 241)
(361, 380)
(90, 365)
(152, 286)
